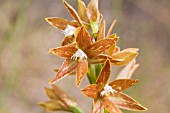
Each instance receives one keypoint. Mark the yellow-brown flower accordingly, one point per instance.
(108, 95)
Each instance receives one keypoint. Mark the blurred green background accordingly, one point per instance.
(25, 38)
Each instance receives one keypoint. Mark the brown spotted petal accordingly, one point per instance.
(102, 59)
(81, 71)
(99, 47)
(98, 59)
(127, 55)
(104, 74)
(111, 50)
(101, 33)
(64, 51)
(67, 68)
(124, 101)
(110, 106)
(91, 91)
(128, 70)
(60, 23)
(83, 39)
(72, 12)
(122, 84)
(97, 106)
(82, 11)
(92, 11)
(68, 40)
(110, 29)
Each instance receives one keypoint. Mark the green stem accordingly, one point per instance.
(95, 28)
(105, 111)
(76, 109)
(91, 74)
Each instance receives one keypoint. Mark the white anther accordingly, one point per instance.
(79, 54)
(69, 30)
(107, 90)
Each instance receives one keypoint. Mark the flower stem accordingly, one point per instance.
(76, 109)
(95, 28)
(93, 72)
(105, 111)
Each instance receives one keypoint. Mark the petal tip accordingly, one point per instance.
(50, 51)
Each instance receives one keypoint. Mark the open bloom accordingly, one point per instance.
(79, 55)
(108, 95)
(83, 17)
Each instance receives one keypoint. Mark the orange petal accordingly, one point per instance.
(112, 48)
(72, 12)
(110, 29)
(91, 91)
(104, 74)
(128, 70)
(97, 107)
(122, 84)
(117, 49)
(101, 33)
(124, 101)
(99, 47)
(98, 59)
(83, 39)
(92, 11)
(68, 40)
(82, 11)
(59, 22)
(127, 55)
(67, 67)
(81, 71)
(110, 106)
(64, 51)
